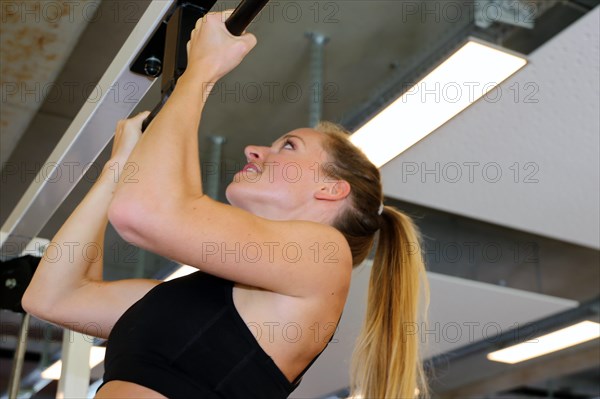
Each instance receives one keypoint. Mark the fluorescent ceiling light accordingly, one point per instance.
(183, 270)
(561, 339)
(96, 357)
(469, 74)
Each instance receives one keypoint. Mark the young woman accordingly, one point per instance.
(275, 264)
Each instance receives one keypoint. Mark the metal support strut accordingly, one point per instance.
(17, 365)
(318, 42)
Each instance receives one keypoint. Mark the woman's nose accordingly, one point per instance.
(253, 152)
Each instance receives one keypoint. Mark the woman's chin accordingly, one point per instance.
(228, 194)
(235, 195)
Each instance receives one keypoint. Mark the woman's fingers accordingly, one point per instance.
(221, 16)
(127, 134)
(213, 50)
(250, 39)
(138, 120)
(135, 120)
(227, 13)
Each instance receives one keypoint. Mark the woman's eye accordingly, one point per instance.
(288, 144)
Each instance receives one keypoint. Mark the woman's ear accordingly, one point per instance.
(333, 191)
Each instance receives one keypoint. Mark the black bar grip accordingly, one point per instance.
(243, 15)
(237, 22)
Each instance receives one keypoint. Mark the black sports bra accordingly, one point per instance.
(185, 339)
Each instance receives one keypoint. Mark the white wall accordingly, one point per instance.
(558, 134)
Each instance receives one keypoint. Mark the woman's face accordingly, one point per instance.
(282, 179)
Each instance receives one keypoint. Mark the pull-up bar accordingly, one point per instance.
(166, 25)
(168, 45)
(243, 15)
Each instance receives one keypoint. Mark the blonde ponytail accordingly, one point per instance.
(386, 363)
(387, 360)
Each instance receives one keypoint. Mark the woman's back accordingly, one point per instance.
(292, 330)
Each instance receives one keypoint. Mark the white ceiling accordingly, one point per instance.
(554, 125)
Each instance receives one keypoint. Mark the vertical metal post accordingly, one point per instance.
(318, 42)
(550, 387)
(19, 356)
(140, 265)
(538, 268)
(213, 171)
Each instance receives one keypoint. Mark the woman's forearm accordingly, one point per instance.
(166, 158)
(167, 155)
(75, 254)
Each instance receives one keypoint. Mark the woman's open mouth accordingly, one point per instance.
(251, 167)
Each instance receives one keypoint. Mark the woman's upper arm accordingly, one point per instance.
(95, 307)
(295, 258)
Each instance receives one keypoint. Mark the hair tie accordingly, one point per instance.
(380, 211)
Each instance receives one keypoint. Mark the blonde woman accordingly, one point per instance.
(280, 255)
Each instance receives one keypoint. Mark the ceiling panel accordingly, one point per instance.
(36, 40)
(527, 154)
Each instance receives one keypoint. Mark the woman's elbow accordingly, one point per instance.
(27, 302)
(33, 303)
(45, 304)
(127, 220)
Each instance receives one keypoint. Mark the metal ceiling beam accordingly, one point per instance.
(118, 92)
(564, 364)
(589, 309)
